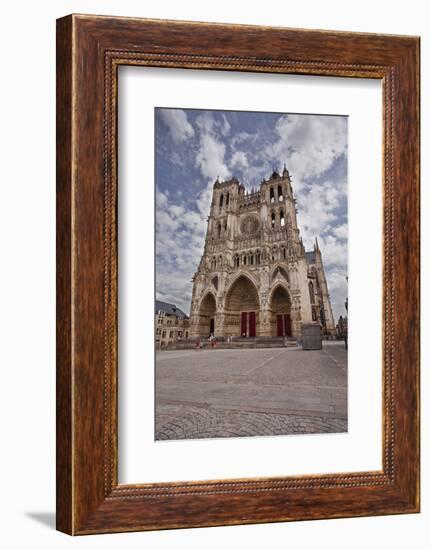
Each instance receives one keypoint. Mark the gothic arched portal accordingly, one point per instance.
(207, 311)
(280, 306)
(242, 309)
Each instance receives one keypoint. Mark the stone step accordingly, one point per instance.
(238, 343)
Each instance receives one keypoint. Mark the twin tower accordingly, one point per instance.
(255, 278)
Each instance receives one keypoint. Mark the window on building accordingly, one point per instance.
(164, 334)
(221, 201)
(281, 218)
(251, 259)
(258, 258)
(227, 199)
(271, 195)
(244, 260)
(313, 314)
(219, 229)
(273, 219)
(171, 333)
(237, 261)
(187, 334)
(311, 291)
(322, 316)
(284, 253)
(280, 194)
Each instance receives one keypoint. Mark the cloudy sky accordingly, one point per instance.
(193, 147)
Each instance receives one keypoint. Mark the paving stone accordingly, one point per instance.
(244, 393)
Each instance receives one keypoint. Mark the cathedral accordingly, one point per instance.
(255, 278)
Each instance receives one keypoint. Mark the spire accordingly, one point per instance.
(285, 171)
(316, 244)
(301, 245)
(275, 173)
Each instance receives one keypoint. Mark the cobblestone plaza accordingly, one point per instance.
(251, 392)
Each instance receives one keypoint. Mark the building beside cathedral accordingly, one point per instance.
(255, 278)
(172, 324)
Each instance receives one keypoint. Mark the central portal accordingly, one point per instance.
(242, 309)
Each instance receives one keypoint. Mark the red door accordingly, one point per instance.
(244, 323)
(252, 324)
(287, 325)
(280, 331)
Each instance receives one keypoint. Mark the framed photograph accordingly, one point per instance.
(243, 278)
(237, 274)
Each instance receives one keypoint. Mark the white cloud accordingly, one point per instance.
(317, 206)
(210, 158)
(242, 137)
(178, 124)
(177, 210)
(225, 129)
(239, 158)
(340, 231)
(334, 252)
(203, 202)
(162, 198)
(309, 144)
(166, 221)
(179, 243)
(206, 122)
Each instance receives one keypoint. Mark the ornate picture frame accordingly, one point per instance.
(89, 51)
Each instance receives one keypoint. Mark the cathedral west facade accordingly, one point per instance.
(255, 278)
